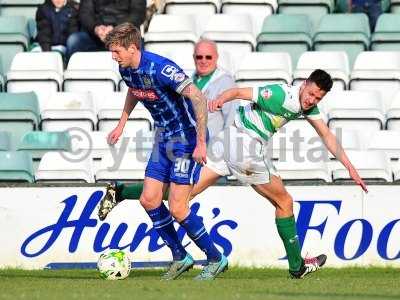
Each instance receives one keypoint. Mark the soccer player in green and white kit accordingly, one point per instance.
(271, 107)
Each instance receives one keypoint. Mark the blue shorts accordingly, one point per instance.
(171, 161)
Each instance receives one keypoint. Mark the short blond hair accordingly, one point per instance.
(125, 35)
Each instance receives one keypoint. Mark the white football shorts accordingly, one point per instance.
(234, 152)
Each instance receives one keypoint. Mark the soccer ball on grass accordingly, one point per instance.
(114, 264)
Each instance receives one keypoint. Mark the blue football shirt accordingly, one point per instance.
(157, 83)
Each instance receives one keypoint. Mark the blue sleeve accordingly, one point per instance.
(170, 75)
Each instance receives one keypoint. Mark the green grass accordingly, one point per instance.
(237, 283)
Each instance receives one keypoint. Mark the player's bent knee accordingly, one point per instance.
(149, 201)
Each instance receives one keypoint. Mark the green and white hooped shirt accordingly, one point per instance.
(272, 107)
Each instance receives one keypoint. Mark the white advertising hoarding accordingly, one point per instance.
(58, 227)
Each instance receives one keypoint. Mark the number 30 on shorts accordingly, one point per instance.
(181, 165)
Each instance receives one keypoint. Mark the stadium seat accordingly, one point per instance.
(16, 167)
(314, 9)
(37, 143)
(66, 110)
(64, 167)
(377, 71)
(357, 110)
(395, 6)
(14, 38)
(19, 113)
(91, 71)
(307, 139)
(393, 114)
(171, 33)
(335, 63)
(343, 32)
(184, 7)
(130, 168)
(257, 9)
(387, 141)
(232, 33)
(40, 72)
(300, 166)
(386, 36)
(371, 165)
(265, 66)
(5, 141)
(110, 106)
(396, 166)
(293, 33)
(26, 8)
(1, 74)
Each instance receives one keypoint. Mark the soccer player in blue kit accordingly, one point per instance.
(180, 112)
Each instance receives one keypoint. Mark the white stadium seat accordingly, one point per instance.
(66, 110)
(232, 33)
(387, 141)
(335, 63)
(371, 165)
(64, 167)
(131, 167)
(358, 110)
(257, 9)
(299, 165)
(40, 72)
(184, 7)
(171, 32)
(265, 66)
(91, 71)
(393, 114)
(377, 71)
(110, 106)
(396, 171)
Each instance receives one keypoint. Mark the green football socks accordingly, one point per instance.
(287, 232)
(132, 191)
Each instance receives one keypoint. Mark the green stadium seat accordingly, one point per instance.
(1, 74)
(37, 143)
(315, 9)
(289, 33)
(14, 38)
(387, 33)
(16, 167)
(5, 141)
(19, 113)
(26, 8)
(343, 32)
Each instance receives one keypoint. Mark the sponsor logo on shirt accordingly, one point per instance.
(144, 94)
(169, 71)
(266, 93)
(147, 81)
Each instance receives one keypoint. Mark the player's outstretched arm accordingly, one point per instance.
(229, 95)
(336, 149)
(130, 103)
(200, 108)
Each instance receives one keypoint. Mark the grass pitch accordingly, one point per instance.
(237, 283)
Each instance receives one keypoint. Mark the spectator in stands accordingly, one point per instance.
(56, 20)
(373, 8)
(98, 18)
(212, 81)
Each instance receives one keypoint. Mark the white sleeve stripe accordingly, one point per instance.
(315, 117)
(184, 84)
(255, 94)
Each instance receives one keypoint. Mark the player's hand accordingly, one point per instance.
(215, 105)
(114, 135)
(200, 153)
(357, 179)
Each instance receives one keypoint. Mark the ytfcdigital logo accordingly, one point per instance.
(231, 145)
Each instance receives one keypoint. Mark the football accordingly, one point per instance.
(114, 264)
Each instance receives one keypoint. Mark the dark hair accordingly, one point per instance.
(322, 79)
(124, 35)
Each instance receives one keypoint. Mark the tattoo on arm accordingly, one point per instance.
(199, 102)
